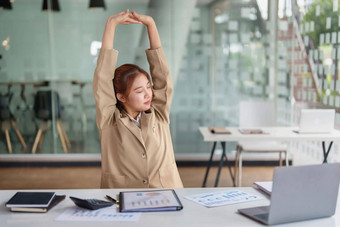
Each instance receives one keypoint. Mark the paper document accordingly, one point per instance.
(106, 215)
(265, 186)
(215, 199)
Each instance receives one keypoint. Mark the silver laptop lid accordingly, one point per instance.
(304, 192)
(316, 120)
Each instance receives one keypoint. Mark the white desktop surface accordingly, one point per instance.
(192, 215)
(273, 133)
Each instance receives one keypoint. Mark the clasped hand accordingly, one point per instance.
(132, 17)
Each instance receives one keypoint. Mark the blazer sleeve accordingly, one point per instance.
(103, 86)
(162, 83)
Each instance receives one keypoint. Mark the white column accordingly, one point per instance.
(272, 53)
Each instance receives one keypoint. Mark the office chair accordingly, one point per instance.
(7, 119)
(43, 110)
(257, 114)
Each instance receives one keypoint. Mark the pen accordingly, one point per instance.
(111, 199)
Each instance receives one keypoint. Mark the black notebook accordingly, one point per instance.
(146, 201)
(31, 199)
(57, 199)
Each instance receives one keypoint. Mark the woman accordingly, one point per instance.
(133, 115)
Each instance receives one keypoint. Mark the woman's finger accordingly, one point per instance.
(134, 14)
(133, 17)
(132, 21)
(124, 12)
(125, 16)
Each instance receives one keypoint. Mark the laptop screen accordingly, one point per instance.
(317, 120)
(304, 192)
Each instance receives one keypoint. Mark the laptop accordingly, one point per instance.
(298, 194)
(316, 121)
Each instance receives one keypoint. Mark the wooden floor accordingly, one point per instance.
(89, 177)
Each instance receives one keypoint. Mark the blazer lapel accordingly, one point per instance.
(133, 128)
(145, 119)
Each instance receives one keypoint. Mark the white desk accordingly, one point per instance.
(273, 133)
(191, 215)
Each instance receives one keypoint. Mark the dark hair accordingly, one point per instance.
(123, 79)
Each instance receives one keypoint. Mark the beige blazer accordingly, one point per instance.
(134, 157)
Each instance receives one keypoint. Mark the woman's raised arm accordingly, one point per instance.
(110, 27)
(155, 41)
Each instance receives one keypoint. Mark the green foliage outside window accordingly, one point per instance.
(320, 27)
(326, 10)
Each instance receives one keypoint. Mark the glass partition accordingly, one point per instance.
(309, 38)
(219, 52)
(49, 56)
(46, 51)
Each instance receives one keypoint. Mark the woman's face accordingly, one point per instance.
(140, 96)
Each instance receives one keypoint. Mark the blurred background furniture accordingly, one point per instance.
(46, 106)
(7, 119)
(254, 115)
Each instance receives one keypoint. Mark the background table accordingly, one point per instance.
(271, 133)
(192, 214)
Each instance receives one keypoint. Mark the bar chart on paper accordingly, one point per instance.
(109, 214)
(215, 199)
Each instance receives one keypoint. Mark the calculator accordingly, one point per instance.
(91, 204)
